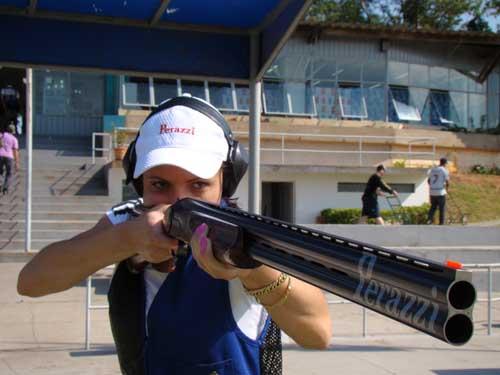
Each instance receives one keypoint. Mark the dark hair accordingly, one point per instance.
(443, 161)
(380, 168)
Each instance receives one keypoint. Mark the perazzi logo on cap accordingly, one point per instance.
(164, 129)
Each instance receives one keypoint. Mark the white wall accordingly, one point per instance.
(314, 192)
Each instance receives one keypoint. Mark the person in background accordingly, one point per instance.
(9, 156)
(439, 181)
(374, 187)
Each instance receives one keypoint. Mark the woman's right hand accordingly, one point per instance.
(145, 233)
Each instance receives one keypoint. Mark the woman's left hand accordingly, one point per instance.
(201, 247)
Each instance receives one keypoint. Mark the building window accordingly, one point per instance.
(458, 81)
(351, 101)
(349, 71)
(494, 100)
(474, 86)
(359, 187)
(325, 96)
(300, 98)
(69, 94)
(439, 78)
(195, 88)
(477, 111)
(164, 89)
(291, 97)
(443, 111)
(398, 73)
(275, 97)
(374, 94)
(401, 106)
(419, 75)
(459, 100)
(136, 91)
(221, 95)
(324, 69)
(374, 71)
(351, 187)
(55, 93)
(86, 97)
(290, 67)
(242, 97)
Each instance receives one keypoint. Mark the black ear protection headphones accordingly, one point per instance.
(236, 162)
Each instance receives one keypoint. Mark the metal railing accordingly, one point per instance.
(488, 266)
(109, 149)
(89, 307)
(360, 140)
(471, 266)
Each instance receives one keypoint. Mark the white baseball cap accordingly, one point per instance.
(183, 137)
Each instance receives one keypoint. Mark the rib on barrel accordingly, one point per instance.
(420, 293)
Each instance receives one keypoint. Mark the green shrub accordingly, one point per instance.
(340, 215)
(403, 215)
(399, 164)
(481, 169)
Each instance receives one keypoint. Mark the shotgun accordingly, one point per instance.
(428, 296)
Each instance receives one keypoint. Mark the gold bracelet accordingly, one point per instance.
(257, 293)
(283, 298)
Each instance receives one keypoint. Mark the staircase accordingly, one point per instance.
(69, 195)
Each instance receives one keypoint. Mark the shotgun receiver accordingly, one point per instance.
(422, 294)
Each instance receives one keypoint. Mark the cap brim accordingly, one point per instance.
(201, 164)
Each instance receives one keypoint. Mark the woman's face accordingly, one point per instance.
(167, 184)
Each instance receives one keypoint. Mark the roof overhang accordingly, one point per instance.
(399, 33)
(181, 38)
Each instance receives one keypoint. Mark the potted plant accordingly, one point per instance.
(121, 144)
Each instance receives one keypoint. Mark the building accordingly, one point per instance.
(337, 101)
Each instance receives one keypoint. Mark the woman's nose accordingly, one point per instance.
(178, 194)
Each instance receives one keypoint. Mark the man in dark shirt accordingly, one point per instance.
(374, 187)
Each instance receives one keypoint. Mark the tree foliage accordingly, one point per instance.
(417, 14)
(343, 11)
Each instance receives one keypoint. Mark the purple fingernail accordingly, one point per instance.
(200, 229)
(203, 245)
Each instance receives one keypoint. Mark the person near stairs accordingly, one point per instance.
(9, 156)
(190, 314)
(374, 187)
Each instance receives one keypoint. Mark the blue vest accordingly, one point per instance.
(191, 329)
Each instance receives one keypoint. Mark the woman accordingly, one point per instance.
(196, 315)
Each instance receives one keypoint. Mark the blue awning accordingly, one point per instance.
(188, 38)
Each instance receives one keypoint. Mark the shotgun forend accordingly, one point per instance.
(420, 293)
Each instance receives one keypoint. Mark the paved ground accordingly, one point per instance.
(46, 336)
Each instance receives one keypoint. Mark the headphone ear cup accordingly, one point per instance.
(128, 163)
(235, 170)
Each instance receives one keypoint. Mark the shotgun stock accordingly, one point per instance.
(420, 293)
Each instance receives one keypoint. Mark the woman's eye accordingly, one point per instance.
(200, 185)
(159, 185)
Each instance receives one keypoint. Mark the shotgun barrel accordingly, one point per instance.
(423, 294)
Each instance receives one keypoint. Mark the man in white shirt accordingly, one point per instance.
(439, 180)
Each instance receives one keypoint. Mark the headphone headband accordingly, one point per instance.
(237, 157)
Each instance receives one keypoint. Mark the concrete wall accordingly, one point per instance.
(315, 191)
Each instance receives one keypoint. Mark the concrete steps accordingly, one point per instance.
(69, 195)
